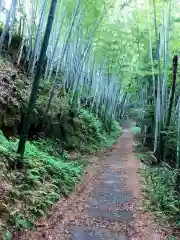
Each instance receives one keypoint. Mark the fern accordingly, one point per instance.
(7, 235)
(45, 179)
(159, 188)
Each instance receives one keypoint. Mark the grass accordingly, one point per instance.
(158, 188)
(91, 135)
(48, 173)
(160, 196)
(30, 192)
(161, 199)
(160, 193)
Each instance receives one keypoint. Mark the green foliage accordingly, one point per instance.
(161, 196)
(48, 172)
(53, 147)
(72, 128)
(83, 131)
(44, 180)
(7, 235)
(172, 238)
(91, 134)
(135, 130)
(20, 221)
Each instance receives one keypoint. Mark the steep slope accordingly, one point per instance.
(49, 172)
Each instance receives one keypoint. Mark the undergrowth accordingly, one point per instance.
(27, 194)
(158, 188)
(91, 135)
(162, 199)
(48, 172)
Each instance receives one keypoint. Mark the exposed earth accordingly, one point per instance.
(105, 206)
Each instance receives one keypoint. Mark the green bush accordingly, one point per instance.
(159, 190)
(44, 179)
(90, 134)
(48, 173)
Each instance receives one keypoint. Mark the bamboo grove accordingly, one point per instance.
(107, 55)
(76, 59)
(157, 95)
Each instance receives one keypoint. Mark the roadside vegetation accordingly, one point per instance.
(71, 73)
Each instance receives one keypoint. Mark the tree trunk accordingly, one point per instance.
(122, 102)
(5, 29)
(69, 32)
(175, 63)
(35, 86)
(178, 151)
(163, 139)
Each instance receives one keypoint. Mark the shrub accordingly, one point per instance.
(35, 188)
(92, 133)
(159, 189)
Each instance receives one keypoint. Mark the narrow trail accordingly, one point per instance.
(105, 205)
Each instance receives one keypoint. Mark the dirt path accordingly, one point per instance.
(105, 205)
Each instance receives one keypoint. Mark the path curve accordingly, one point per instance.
(105, 205)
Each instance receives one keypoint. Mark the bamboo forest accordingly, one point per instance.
(89, 119)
